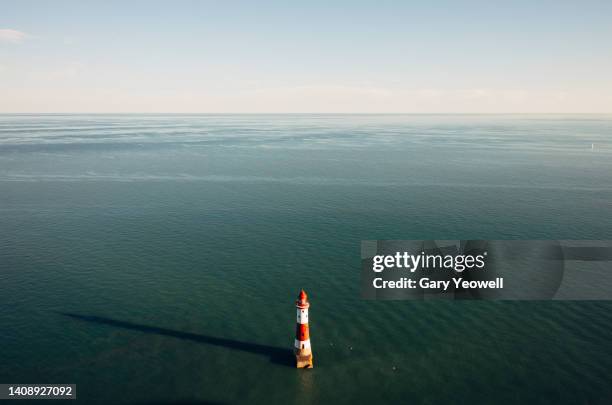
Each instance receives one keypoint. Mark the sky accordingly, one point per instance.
(306, 57)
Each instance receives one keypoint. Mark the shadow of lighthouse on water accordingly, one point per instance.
(277, 355)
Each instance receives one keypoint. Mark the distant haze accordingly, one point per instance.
(345, 57)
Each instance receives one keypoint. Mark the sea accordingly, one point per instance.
(156, 258)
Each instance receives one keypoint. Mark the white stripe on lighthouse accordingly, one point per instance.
(302, 344)
(302, 316)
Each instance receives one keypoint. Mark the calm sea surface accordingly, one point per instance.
(157, 257)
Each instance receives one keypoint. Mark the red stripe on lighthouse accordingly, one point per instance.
(301, 332)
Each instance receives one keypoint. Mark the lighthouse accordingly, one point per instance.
(303, 352)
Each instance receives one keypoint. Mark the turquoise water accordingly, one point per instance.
(157, 257)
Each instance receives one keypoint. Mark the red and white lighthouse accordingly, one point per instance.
(303, 352)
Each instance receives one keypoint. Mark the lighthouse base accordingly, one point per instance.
(303, 360)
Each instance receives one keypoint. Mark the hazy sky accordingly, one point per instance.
(306, 56)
